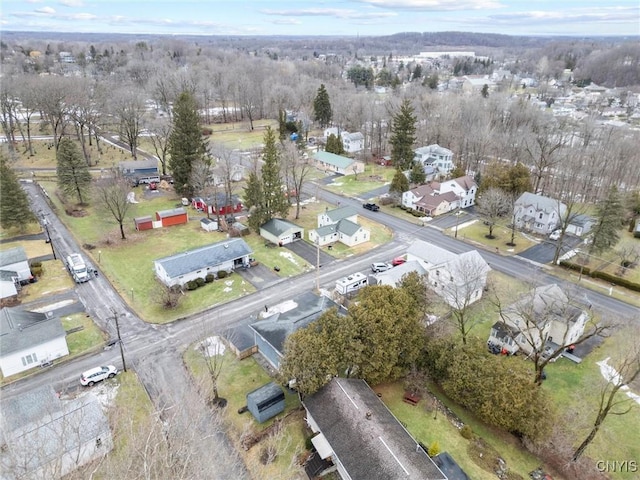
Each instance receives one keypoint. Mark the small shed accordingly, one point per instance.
(266, 402)
(209, 225)
(143, 223)
(175, 216)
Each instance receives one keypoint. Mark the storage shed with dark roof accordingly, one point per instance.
(266, 402)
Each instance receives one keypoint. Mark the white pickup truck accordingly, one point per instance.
(77, 268)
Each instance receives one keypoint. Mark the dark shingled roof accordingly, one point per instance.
(208, 256)
(12, 255)
(20, 329)
(265, 392)
(308, 307)
(365, 436)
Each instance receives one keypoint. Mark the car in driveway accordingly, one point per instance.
(95, 375)
(380, 267)
(398, 261)
(371, 206)
(555, 235)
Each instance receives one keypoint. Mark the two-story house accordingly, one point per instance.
(437, 198)
(351, 142)
(537, 213)
(339, 225)
(435, 156)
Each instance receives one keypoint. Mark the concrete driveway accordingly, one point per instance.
(260, 276)
(309, 252)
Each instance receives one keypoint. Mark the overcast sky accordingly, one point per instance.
(328, 17)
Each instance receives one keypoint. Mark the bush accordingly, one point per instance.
(222, 274)
(200, 281)
(192, 285)
(607, 277)
(434, 448)
(36, 269)
(209, 278)
(466, 432)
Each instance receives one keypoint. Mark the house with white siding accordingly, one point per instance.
(436, 198)
(436, 156)
(339, 225)
(537, 213)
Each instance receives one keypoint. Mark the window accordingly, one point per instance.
(29, 359)
(540, 217)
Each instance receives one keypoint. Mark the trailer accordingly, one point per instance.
(349, 284)
(77, 268)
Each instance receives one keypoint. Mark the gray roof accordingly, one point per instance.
(544, 304)
(365, 436)
(338, 214)
(333, 159)
(504, 331)
(207, 256)
(278, 226)
(138, 164)
(541, 202)
(581, 220)
(8, 275)
(12, 255)
(430, 253)
(265, 392)
(394, 275)
(307, 308)
(347, 227)
(172, 212)
(20, 329)
(207, 221)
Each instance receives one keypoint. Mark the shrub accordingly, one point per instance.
(434, 448)
(200, 281)
(209, 278)
(466, 432)
(36, 269)
(222, 274)
(192, 285)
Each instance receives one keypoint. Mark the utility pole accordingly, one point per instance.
(115, 316)
(318, 264)
(49, 240)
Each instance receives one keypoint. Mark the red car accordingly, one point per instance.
(398, 261)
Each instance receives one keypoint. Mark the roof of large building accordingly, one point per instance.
(210, 255)
(285, 318)
(333, 159)
(21, 329)
(365, 436)
(12, 255)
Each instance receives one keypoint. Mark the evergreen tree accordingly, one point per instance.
(73, 174)
(485, 91)
(275, 196)
(322, 107)
(417, 175)
(14, 203)
(186, 145)
(334, 145)
(253, 199)
(399, 185)
(403, 136)
(282, 125)
(607, 232)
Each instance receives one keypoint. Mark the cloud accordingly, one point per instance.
(436, 5)
(45, 11)
(569, 16)
(82, 16)
(329, 12)
(72, 3)
(287, 21)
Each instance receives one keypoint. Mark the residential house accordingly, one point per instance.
(352, 142)
(217, 204)
(459, 279)
(339, 225)
(435, 156)
(280, 231)
(330, 162)
(543, 317)
(473, 84)
(198, 263)
(436, 198)
(537, 213)
(29, 339)
(580, 225)
(43, 437)
(361, 437)
(277, 322)
(235, 172)
(139, 167)
(15, 260)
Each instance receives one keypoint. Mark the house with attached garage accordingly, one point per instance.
(537, 213)
(339, 225)
(363, 440)
(543, 317)
(44, 437)
(183, 267)
(280, 231)
(436, 198)
(330, 162)
(29, 339)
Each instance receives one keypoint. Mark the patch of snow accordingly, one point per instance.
(466, 224)
(52, 306)
(104, 392)
(611, 375)
(337, 184)
(212, 345)
(228, 283)
(226, 289)
(289, 256)
(279, 308)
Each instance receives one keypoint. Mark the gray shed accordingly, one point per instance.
(266, 402)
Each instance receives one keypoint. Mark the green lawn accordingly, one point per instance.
(238, 378)
(89, 338)
(374, 176)
(476, 233)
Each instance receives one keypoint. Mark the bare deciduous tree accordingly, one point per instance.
(111, 196)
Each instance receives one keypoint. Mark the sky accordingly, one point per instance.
(323, 17)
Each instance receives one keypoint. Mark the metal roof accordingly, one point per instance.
(333, 159)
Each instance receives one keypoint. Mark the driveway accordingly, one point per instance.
(545, 251)
(260, 276)
(377, 192)
(309, 252)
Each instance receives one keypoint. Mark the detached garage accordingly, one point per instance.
(281, 232)
(175, 216)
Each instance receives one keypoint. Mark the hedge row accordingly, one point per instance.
(413, 212)
(616, 280)
(199, 282)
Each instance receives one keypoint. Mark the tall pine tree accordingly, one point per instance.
(607, 231)
(14, 203)
(334, 145)
(322, 107)
(186, 144)
(253, 199)
(403, 136)
(399, 185)
(74, 178)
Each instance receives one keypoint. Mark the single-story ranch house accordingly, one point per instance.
(186, 266)
(330, 162)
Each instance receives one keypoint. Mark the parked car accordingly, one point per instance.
(398, 261)
(555, 235)
(380, 267)
(371, 206)
(95, 375)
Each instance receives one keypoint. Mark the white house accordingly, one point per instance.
(339, 225)
(538, 213)
(46, 438)
(459, 279)
(436, 198)
(543, 316)
(28, 339)
(15, 260)
(580, 225)
(198, 263)
(435, 156)
(352, 142)
(280, 231)
(330, 162)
